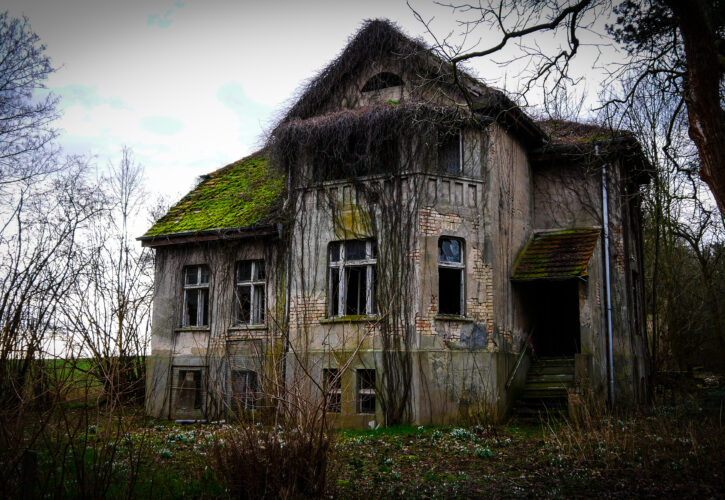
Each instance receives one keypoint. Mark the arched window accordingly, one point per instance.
(382, 81)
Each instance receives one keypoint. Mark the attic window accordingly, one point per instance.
(383, 81)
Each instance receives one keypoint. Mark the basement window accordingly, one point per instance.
(352, 278)
(366, 391)
(245, 389)
(249, 292)
(450, 152)
(332, 384)
(187, 390)
(196, 296)
(450, 276)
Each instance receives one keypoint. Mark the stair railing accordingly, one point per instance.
(524, 350)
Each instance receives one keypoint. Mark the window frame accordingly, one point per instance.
(202, 311)
(441, 148)
(370, 261)
(453, 265)
(257, 314)
(365, 393)
(332, 385)
(250, 398)
(177, 386)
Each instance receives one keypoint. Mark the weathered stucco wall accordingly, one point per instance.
(203, 347)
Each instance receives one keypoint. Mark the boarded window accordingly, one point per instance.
(366, 391)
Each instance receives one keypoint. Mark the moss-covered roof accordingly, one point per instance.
(244, 194)
(556, 255)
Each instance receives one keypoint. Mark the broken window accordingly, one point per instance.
(245, 389)
(249, 291)
(366, 391)
(450, 152)
(196, 296)
(332, 383)
(450, 276)
(187, 390)
(352, 277)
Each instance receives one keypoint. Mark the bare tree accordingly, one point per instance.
(26, 119)
(108, 311)
(678, 44)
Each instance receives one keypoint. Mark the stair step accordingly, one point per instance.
(549, 377)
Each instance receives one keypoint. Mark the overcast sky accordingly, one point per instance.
(192, 85)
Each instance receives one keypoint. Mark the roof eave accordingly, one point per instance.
(209, 235)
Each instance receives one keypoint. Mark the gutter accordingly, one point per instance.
(207, 234)
(608, 280)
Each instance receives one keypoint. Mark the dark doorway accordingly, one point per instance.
(552, 308)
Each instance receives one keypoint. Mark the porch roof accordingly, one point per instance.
(556, 254)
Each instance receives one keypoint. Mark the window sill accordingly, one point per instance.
(453, 317)
(202, 329)
(244, 328)
(349, 319)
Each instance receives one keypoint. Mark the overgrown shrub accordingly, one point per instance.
(258, 462)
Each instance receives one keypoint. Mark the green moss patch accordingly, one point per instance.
(244, 194)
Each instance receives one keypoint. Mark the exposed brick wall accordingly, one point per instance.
(307, 311)
(431, 222)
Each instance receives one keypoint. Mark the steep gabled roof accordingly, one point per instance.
(242, 195)
(379, 39)
(556, 255)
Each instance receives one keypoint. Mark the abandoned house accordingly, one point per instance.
(408, 246)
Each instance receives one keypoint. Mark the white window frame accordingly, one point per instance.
(202, 299)
(369, 262)
(453, 265)
(248, 399)
(257, 313)
(360, 391)
(332, 384)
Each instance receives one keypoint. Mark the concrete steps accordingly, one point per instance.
(546, 392)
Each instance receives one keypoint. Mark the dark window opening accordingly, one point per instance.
(450, 152)
(451, 269)
(449, 290)
(366, 391)
(332, 384)
(382, 81)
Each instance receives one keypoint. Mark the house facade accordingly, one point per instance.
(405, 248)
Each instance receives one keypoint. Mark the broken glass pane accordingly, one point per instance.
(449, 250)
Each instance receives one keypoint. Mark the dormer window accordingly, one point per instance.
(383, 81)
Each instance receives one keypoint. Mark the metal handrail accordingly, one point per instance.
(525, 348)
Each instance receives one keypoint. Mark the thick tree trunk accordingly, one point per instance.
(702, 96)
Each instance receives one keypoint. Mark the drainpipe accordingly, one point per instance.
(608, 279)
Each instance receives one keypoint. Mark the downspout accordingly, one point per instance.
(288, 285)
(607, 279)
